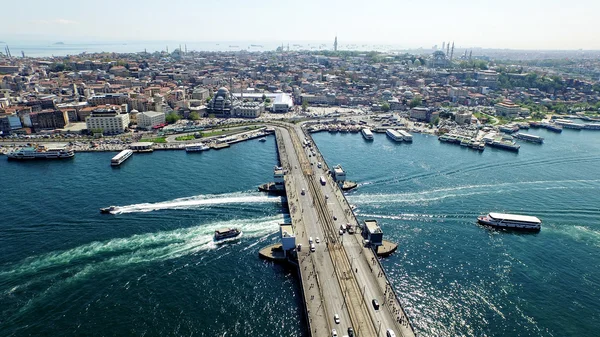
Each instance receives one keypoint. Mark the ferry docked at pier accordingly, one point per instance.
(277, 186)
(367, 134)
(407, 137)
(196, 147)
(227, 233)
(394, 135)
(121, 157)
(529, 138)
(41, 152)
(552, 127)
(511, 221)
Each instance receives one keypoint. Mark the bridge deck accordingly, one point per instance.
(342, 276)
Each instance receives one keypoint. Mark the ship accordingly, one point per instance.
(108, 210)
(367, 134)
(41, 152)
(227, 233)
(511, 221)
(121, 157)
(407, 137)
(196, 147)
(276, 187)
(591, 126)
(552, 127)
(505, 144)
(262, 139)
(394, 135)
(529, 138)
(339, 176)
(508, 129)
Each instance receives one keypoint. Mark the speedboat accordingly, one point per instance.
(108, 210)
(263, 139)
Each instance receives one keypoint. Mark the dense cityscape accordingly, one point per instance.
(422, 239)
(110, 93)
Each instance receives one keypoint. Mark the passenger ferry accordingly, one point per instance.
(529, 138)
(394, 135)
(41, 152)
(407, 137)
(567, 124)
(591, 126)
(196, 147)
(367, 134)
(227, 233)
(552, 127)
(511, 221)
(505, 144)
(121, 157)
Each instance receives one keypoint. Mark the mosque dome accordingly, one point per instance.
(222, 92)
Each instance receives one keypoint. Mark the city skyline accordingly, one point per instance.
(510, 24)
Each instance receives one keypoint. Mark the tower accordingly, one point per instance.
(443, 46)
(452, 51)
(448, 49)
(335, 44)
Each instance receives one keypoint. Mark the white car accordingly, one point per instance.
(336, 318)
(333, 333)
(318, 240)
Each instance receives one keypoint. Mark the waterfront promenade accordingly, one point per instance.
(342, 276)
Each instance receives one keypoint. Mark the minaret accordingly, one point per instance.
(452, 51)
(186, 48)
(443, 45)
(335, 44)
(448, 49)
(471, 55)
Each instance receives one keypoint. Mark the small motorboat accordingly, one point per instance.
(108, 210)
(262, 139)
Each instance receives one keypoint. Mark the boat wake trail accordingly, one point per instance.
(462, 191)
(53, 271)
(199, 201)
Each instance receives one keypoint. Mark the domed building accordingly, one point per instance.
(221, 104)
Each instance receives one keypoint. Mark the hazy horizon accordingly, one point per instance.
(512, 24)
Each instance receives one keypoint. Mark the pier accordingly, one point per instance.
(343, 275)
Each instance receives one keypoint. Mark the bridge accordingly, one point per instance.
(341, 277)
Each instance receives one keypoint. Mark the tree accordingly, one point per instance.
(194, 116)
(268, 100)
(172, 117)
(415, 102)
(208, 99)
(385, 107)
(264, 97)
(304, 106)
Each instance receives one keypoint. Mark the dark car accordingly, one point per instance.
(375, 304)
(350, 332)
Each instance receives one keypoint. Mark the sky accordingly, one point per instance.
(512, 24)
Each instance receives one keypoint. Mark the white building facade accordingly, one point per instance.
(111, 122)
(149, 119)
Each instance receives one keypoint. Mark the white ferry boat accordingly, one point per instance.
(196, 147)
(121, 157)
(41, 152)
(407, 137)
(367, 134)
(394, 135)
(528, 137)
(511, 221)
